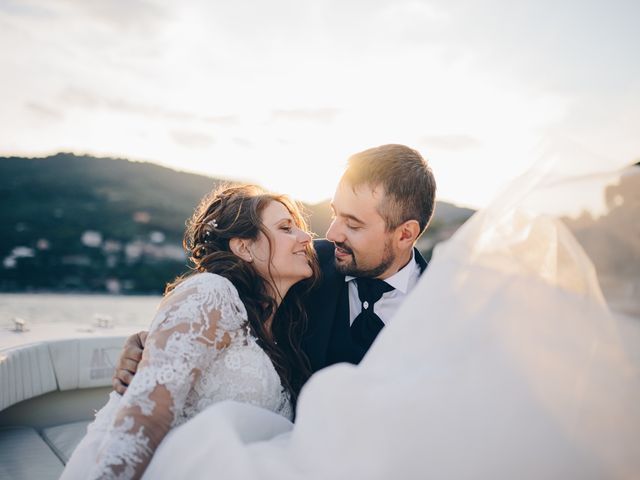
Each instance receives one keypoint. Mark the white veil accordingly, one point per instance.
(516, 356)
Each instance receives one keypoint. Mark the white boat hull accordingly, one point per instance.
(49, 392)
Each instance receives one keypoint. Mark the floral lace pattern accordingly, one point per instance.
(199, 351)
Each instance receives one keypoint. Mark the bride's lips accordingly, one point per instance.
(303, 254)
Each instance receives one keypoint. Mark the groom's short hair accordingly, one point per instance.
(407, 179)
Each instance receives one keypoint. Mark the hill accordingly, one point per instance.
(82, 223)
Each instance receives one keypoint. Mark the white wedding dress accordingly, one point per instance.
(516, 356)
(199, 352)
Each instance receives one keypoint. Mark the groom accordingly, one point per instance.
(368, 262)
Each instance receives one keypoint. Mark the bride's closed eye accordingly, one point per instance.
(286, 226)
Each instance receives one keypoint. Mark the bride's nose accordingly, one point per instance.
(304, 237)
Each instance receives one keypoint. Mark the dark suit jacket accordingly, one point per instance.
(328, 339)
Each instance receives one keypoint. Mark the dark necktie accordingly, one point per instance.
(367, 324)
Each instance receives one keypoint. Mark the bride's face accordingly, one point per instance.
(364, 247)
(290, 249)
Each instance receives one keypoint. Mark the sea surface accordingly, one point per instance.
(44, 308)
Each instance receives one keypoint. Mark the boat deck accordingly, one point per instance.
(52, 380)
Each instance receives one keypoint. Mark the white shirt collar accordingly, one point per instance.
(399, 280)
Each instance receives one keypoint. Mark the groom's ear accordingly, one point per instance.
(240, 248)
(407, 233)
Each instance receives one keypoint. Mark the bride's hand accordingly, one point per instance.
(128, 362)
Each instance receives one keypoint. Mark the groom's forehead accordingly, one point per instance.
(362, 190)
(362, 197)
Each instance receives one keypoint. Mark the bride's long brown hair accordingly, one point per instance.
(235, 212)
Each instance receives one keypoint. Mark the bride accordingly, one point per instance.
(230, 330)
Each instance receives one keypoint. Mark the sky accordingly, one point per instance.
(282, 92)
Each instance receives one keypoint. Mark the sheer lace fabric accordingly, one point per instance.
(199, 351)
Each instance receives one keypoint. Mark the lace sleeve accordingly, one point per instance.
(192, 325)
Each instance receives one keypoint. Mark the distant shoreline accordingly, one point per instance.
(79, 292)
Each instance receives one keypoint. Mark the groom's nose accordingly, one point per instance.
(335, 232)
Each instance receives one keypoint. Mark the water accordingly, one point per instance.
(56, 308)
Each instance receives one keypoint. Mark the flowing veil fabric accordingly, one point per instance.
(516, 356)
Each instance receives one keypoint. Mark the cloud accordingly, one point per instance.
(44, 111)
(220, 119)
(79, 97)
(23, 8)
(192, 139)
(127, 106)
(89, 100)
(126, 15)
(450, 142)
(323, 115)
(243, 142)
(136, 16)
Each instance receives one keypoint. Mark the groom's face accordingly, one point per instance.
(364, 248)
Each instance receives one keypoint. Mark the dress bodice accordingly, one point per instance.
(199, 351)
(241, 371)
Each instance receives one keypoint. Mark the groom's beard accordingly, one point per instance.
(353, 269)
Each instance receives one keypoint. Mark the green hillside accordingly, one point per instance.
(82, 223)
(127, 208)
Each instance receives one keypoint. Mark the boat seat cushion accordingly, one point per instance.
(25, 372)
(25, 455)
(63, 439)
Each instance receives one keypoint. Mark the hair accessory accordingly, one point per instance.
(208, 234)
